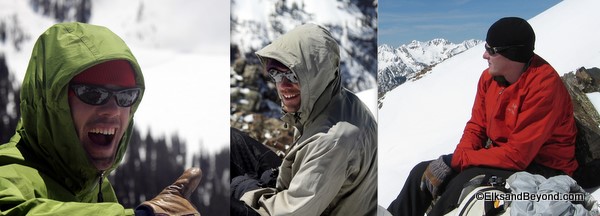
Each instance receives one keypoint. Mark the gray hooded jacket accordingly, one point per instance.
(332, 167)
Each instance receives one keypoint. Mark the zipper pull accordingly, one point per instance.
(100, 197)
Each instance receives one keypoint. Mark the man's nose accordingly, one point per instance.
(285, 82)
(486, 55)
(110, 108)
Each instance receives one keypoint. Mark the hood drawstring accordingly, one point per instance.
(295, 117)
(100, 197)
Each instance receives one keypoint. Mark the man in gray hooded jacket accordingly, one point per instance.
(331, 169)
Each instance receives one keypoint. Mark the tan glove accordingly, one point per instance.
(173, 199)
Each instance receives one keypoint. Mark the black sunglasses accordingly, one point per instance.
(494, 50)
(277, 76)
(94, 95)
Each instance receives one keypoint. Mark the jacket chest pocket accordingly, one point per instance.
(504, 115)
(511, 112)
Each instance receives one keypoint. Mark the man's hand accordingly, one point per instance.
(436, 173)
(173, 199)
(245, 183)
(269, 178)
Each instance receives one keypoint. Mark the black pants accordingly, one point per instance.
(248, 157)
(413, 201)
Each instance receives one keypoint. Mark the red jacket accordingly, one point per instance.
(529, 120)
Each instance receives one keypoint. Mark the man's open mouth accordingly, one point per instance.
(102, 136)
(289, 96)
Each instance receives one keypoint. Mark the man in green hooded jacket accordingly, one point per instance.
(80, 92)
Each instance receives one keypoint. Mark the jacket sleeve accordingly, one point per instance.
(13, 202)
(325, 165)
(474, 135)
(537, 118)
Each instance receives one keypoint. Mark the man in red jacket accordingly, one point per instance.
(522, 119)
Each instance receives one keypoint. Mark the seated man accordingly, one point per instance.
(522, 119)
(80, 92)
(331, 168)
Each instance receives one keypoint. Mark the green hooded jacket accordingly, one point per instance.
(43, 168)
(332, 167)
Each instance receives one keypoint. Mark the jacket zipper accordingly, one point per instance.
(100, 197)
(495, 111)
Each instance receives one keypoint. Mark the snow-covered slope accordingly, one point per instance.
(369, 98)
(255, 23)
(182, 47)
(403, 63)
(424, 119)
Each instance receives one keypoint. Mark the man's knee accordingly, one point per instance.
(419, 169)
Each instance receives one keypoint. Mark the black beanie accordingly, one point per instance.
(511, 31)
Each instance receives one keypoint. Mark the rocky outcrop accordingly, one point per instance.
(587, 148)
(267, 130)
(255, 108)
(580, 83)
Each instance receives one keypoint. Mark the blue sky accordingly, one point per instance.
(401, 21)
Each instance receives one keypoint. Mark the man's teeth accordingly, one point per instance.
(289, 96)
(105, 131)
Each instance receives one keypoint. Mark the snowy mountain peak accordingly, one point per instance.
(405, 62)
(472, 43)
(385, 48)
(438, 41)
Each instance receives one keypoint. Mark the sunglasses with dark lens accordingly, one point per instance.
(94, 95)
(494, 50)
(277, 76)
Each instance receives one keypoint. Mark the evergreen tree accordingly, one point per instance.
(150, 165)
(9, 103)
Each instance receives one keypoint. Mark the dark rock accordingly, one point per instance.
(586, 116)
(267, 130)
(587, 119)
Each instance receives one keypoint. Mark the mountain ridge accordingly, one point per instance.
(406, 62)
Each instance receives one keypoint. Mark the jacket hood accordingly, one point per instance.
(46, 127)
(313, 55)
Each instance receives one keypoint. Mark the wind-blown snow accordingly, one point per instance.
(424, 119)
